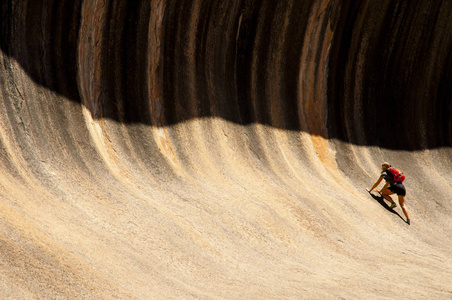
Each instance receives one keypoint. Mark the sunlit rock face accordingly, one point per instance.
(221, 149)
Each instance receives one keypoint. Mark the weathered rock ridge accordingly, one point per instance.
(221, 149)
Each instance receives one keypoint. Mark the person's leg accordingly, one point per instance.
(402, 205)
(386, 194)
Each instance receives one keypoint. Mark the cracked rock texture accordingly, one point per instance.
(222, 149)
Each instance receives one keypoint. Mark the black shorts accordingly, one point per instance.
(398, 188)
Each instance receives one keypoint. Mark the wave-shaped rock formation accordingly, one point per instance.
(221, 149)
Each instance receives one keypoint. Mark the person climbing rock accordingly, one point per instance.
(394, 185)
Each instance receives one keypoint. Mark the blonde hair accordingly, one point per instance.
(386, 164)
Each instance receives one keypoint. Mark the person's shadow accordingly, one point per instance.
(382, 202)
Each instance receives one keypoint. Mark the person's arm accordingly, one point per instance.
(376, 184)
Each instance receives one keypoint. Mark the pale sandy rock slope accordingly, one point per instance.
(222, 149)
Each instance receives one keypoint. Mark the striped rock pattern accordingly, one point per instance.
(221, 149)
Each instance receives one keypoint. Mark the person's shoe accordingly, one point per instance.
(408, 221)
(393, 205)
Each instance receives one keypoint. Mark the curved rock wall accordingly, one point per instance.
(221, 149)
